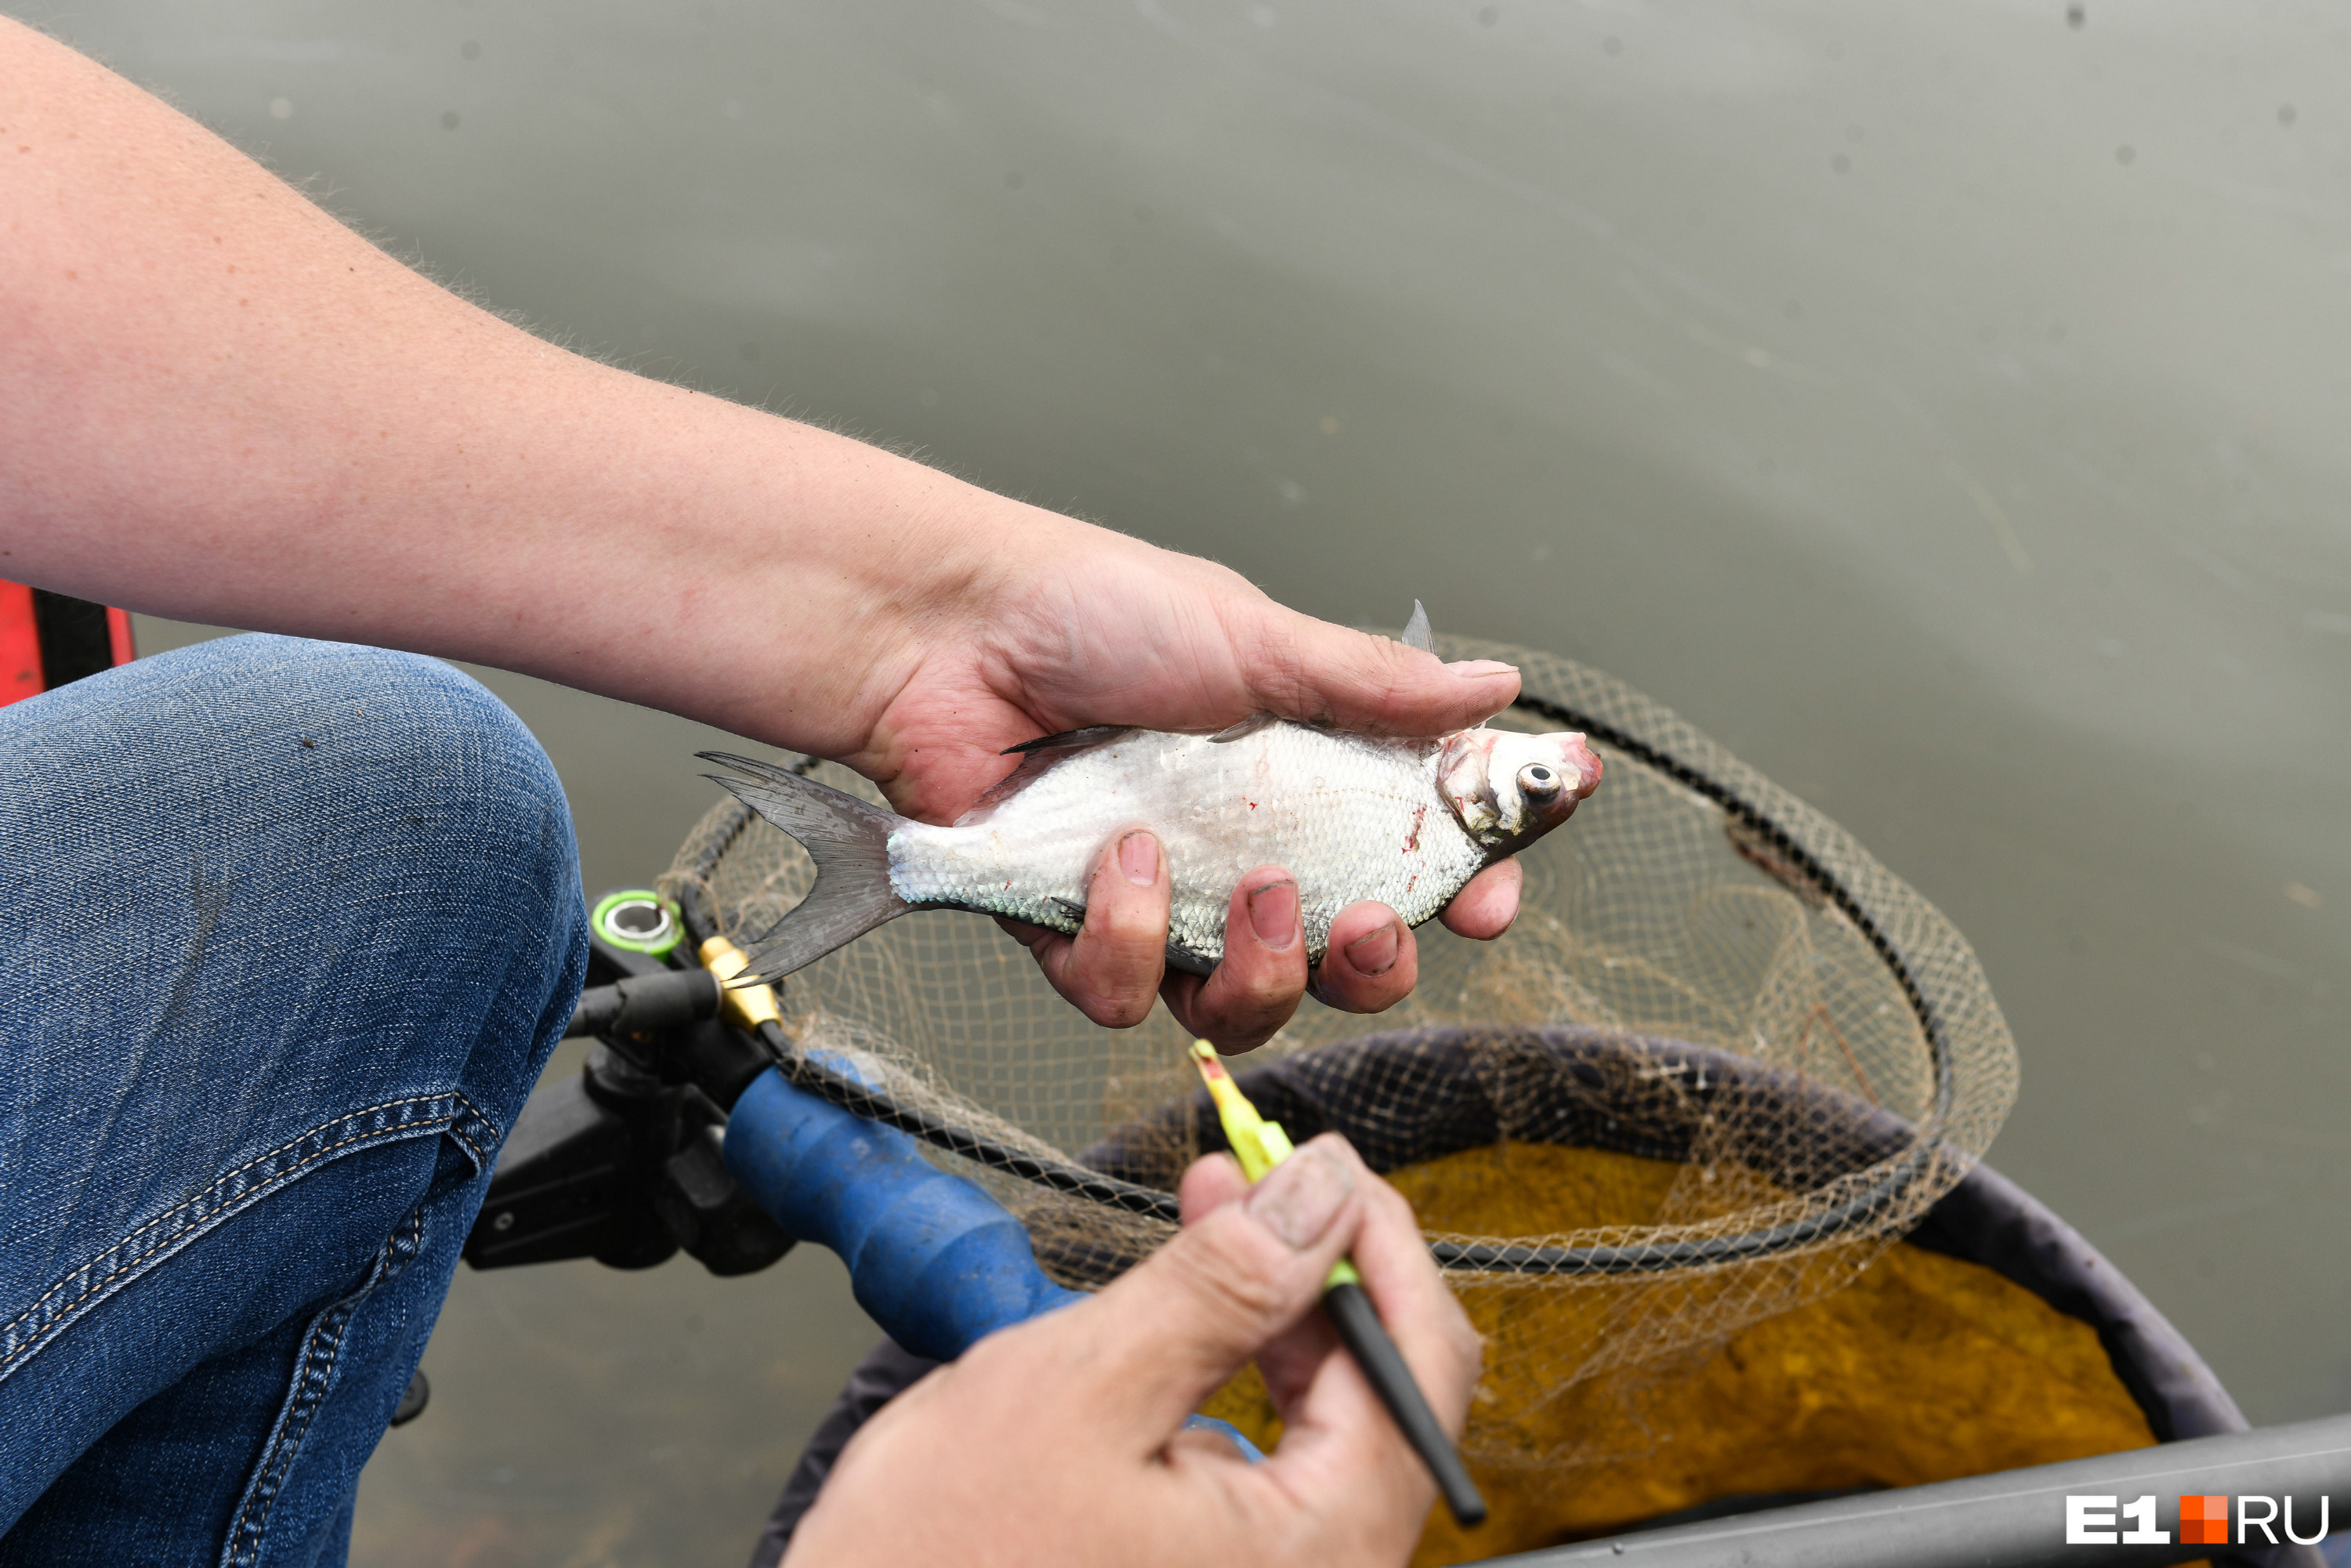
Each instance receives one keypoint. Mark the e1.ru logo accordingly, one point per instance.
(2203, 1522)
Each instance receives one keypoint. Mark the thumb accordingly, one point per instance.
(1171, 1330)
(1301, 668)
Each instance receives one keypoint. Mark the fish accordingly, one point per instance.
(1406, 821)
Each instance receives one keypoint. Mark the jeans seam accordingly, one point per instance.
(323, 1349)
(223, 1197)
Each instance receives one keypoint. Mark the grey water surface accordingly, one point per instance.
(1946, 404)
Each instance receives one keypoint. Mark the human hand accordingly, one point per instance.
(1110, 970)
(1063, 625)
(1061, 1440)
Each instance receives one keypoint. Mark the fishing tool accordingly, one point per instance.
(1261, 1146)
(639, 920)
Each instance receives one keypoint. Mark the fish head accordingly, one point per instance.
(1508, 789)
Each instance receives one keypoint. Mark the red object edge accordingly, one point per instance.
(20, 644)
(118, 634)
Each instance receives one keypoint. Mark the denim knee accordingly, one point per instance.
(260, 883)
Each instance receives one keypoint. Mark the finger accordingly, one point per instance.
(1309, 670)
(1484, 909)
(1336, 1439)
(1418, 1308)
(1172, 1329)
(1372, 963)
(1111, 968)
(1027, 935)
(1293, 1355)
(1256, 984)
(1210, 1182)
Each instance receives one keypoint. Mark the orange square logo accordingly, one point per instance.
(2203, 1522)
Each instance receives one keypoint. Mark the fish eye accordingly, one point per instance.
(1538, 782)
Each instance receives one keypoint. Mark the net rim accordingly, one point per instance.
(1711, 1070)
(1811, 855)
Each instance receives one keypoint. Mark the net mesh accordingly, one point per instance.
(1707, 979)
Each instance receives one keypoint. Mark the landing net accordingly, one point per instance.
(1723, 1060)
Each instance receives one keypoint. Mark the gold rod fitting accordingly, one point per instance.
(745, 1007)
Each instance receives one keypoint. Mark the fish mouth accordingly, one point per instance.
(1579, 755)
(1573, 753)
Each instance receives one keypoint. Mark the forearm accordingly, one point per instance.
(218, 403)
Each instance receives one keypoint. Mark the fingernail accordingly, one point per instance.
(1273, 912)
(1138, 857)
(1301, 1197)
(1375, 952)
(1477, 668)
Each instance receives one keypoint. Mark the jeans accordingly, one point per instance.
(291, 928)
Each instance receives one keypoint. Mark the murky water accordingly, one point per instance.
(1944, 404)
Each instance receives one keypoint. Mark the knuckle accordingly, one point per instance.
(1270, 994)
(1238, 1017)
(1130, 923)
(1218, 1270)
(1391, 1207)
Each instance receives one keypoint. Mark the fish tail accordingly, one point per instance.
(849, 841)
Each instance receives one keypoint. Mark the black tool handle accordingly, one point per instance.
(643, 1004)
(1367, 1338)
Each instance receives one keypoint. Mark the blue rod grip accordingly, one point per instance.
(932, 1258)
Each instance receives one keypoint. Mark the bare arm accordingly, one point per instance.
(216, 402)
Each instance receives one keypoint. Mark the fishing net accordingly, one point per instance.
(1723, 1059)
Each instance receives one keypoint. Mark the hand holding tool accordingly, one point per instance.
(1261, 1146)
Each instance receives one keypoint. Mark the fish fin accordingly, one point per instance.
(1038, 757)
(849, 841)
(1182, 958)
(1415, 631)
(1073, 909)
(1069, 739)
(1244, 729)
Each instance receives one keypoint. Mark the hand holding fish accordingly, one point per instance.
(1123, 855)
(1109, 968)
(1101, 630)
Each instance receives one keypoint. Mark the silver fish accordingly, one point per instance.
(1406, 821)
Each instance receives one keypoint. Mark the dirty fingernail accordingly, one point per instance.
(1273, 912)
(1481, 667)
(1301, 1197)
(1375, 952)
(1138, 857)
